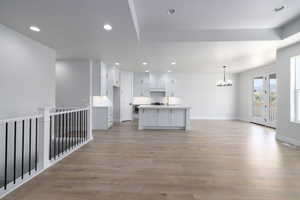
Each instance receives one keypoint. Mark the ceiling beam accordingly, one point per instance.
(134, 18)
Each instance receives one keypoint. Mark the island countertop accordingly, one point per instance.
(164, 107)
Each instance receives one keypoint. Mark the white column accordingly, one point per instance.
(44, 139)
(90, 131)
(188, 126)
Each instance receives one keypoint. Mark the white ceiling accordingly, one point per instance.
(214, 14)
(202, 36)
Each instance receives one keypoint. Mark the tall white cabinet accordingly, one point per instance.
(141, 84)
(102, 86)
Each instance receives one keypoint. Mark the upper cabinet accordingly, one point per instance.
(99, 74)
(171, 87)
(146, 82)
(141, 84)
(158, 81)
(116, 77)
(104, 80)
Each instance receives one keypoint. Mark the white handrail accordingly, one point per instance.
(17, 119)
(70, 111)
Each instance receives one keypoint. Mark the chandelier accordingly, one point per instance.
(224, 82)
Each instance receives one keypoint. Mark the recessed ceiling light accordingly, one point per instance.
(107, 27)
(278, 9)
(171, 11)
(147, 71)
(169, 71)
(35, 28)
(117, 63)
(144, 63)
(173, 63)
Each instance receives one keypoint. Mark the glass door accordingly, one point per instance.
(258, 102)
(264, 100)
(272, 80)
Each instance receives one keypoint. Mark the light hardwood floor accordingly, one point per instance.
(217, 160)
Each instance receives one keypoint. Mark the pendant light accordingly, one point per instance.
(224, 82)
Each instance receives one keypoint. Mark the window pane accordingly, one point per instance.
(297, 70)
(258, 97)
(273, 97)
(297, 105)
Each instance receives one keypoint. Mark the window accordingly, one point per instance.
(295, 89)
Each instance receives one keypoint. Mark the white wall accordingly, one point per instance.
(206, 99)
(27, 82)
(286, 130)
(27, 74)
(245, 90)
(72, 83)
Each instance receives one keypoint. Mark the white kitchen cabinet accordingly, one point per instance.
(150, 117)
(164, 117)
(141, 85)
(170, 88)
(116, 77)
(157, 81)
(103, 80)
(102, 118)
(146, 82)
(178, 117)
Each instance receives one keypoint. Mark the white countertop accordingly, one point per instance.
(164, 107)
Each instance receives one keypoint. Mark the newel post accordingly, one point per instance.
(44, 139)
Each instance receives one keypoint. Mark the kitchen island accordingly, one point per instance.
(164, 117)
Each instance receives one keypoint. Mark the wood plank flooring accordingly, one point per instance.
(217, 160)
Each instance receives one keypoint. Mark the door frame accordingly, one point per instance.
(265, 120)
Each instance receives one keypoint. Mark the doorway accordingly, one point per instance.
(264, 100)
(116, 105)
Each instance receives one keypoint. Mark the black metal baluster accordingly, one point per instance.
(63, 133)
(15, 150)
(80, 126)
(59, 129)
(30, 122)
(36, 141)
(77, 129)
(5, 166)
(79, 113)
(83, 125)
(86, 124)
(70, 129)
(73, 129)
(85, 120)
(82, 113)
(67, 131)
(50, 139)
(55, 135)
(23, 127)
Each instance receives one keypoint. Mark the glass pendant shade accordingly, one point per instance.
(224, 82)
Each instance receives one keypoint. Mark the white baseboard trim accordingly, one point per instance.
(288, 140)
(244, 119)
(214, 118)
